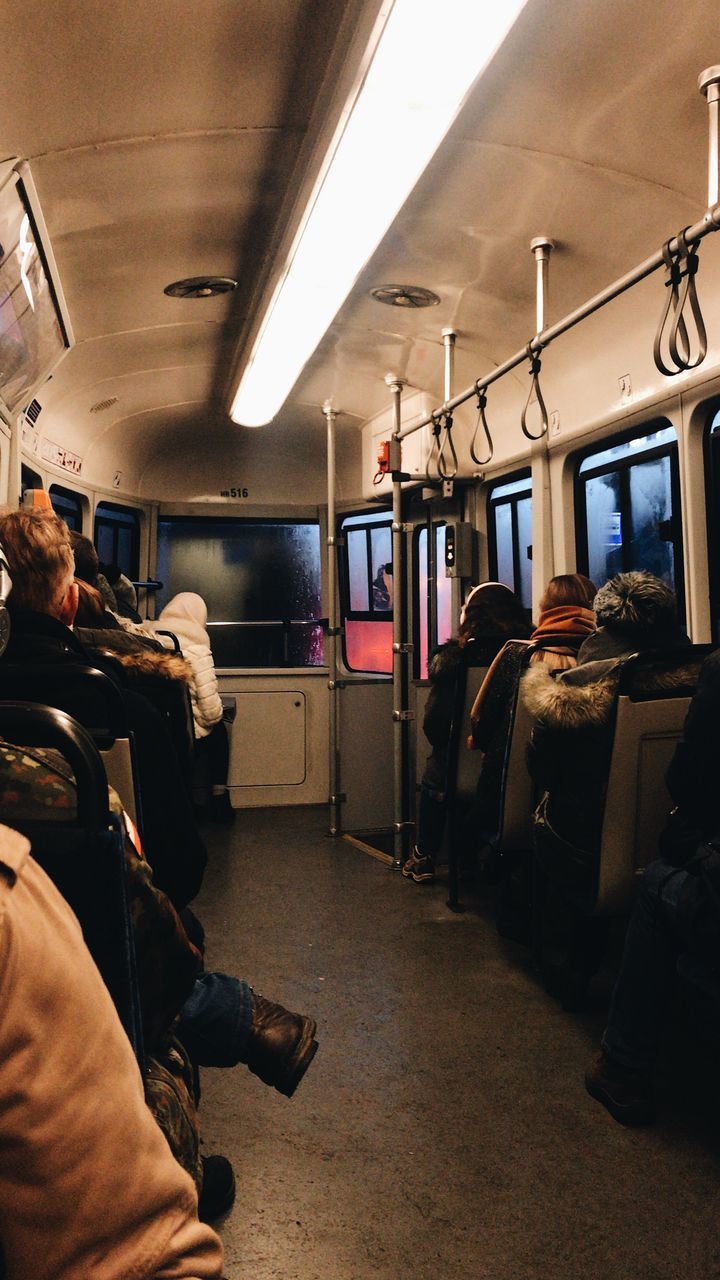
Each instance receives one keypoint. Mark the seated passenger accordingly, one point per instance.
(677, 910)
(186, 616)
(635, 612)
(566, 620)
(568, 759)
(43, 605)
(491, 615)
(88, 1186)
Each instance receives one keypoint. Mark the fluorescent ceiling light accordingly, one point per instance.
(427, 56)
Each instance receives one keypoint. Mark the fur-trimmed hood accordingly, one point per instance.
(584, 697)
(166, 666)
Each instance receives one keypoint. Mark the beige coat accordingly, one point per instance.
(88, 1187)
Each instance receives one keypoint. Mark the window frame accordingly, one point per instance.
(135, 525)
(420, 528)
(670, 450)
(711, 464)
(70, 496)
(346, 613)
(512, 499)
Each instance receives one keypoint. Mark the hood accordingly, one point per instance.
(187, 606)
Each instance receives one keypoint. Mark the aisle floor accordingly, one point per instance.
(443, 1129)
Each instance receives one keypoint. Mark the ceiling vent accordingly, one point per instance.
(103, 404)
(32, 413)
(200, 287)
(404, 295)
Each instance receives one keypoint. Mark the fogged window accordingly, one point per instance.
(629, 509)
(367, 592)
(433, 599)
(510, 535)
(260, 580)
(117, 537)
(31, 335)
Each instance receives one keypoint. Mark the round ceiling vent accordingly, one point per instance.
(200, 287)
(103, 404)
(404, 295)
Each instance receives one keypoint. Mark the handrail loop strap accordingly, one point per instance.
(680, 284)
(434, 448)
(535, 368)
(444, 471)
(481, 421)
(688, 270)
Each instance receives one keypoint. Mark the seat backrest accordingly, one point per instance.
(516, 796)
(654, 695)
(83, 855)
(94, 700)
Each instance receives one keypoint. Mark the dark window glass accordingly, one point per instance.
(261, 582)
(117, 537)
(29, 479)
(366, 590)
(510, 535)
(712, 499)
(425, 589)
(67, 505)
(629, 509)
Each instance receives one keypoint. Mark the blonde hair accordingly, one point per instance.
(40, 559)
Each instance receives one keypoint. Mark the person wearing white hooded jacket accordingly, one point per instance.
(186, 615)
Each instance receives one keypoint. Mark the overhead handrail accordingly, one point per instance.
(682, 267)
(481, 422)
(535, 369)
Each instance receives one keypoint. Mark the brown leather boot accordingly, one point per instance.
(281, 1045)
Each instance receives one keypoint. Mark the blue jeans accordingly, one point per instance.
(215, 1020)
(652, 947)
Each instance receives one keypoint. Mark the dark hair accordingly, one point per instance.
(493, 611)
(568, 589)
(91, 609)
(86, 558)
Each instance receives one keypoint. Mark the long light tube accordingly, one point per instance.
(427, 57)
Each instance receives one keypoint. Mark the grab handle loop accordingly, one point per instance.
(481, 422)
(535, 368)
(682, 269)
(434, 448)
(445, 471)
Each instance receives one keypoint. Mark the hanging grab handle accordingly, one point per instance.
(442, 440)
(481, 422)
(682, 269)
(535, 368)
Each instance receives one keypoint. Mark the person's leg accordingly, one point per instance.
(420, 866)
(620, 1076)
(225, 1022)
(218, 754)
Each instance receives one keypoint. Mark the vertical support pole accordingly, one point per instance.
(541, 247)
(709, 85)
(401, 741)
(332, 633)
(449, 336)
(15, 463)
(432, 629)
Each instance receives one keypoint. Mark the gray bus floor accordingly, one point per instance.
(443, 1129)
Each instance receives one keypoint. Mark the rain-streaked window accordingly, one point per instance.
(261, 581)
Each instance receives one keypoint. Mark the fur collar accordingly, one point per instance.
(168, 666)
(584, 697)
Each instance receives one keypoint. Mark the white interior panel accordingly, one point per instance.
(268, 742)
(366, 754)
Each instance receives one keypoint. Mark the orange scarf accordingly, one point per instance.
(565, 619)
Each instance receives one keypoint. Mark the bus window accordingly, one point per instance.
(261, 582)
(510, 534)
(367, 592)
(117, 537)
(423, 587)
(712, 503)
(67, 505)
(29, 479)
(628, 509)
